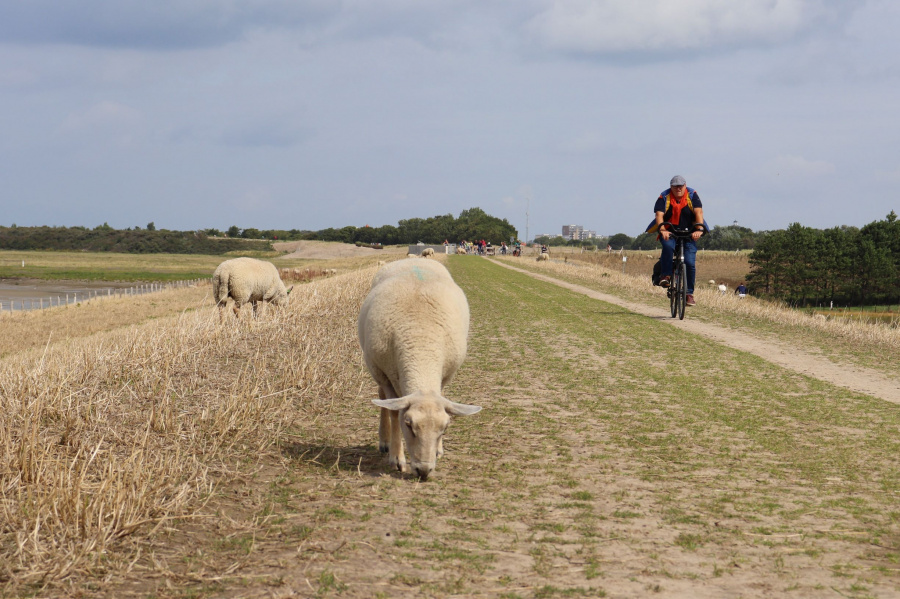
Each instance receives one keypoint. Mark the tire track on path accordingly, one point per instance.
(855, 378)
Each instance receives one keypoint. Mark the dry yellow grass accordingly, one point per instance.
(108, 438)
(25, 330)
(730, 268)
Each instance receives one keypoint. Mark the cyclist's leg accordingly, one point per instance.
(690, 261)
(665, 260)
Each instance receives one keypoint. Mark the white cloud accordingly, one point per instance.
(789, 166)
(265, 134)
(104, 115)
(612, 26)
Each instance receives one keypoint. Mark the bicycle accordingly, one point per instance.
(677, 290)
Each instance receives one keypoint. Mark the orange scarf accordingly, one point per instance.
(676, 207)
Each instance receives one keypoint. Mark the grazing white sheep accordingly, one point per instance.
(723, 288)
(461, 251)
(411, 255)
(427, 252)
(247, 280)
(712, 283)
(412, 328)
(543, 257)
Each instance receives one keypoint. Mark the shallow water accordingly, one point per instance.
(34, 294)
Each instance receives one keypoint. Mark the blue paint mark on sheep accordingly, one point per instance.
(420, 274)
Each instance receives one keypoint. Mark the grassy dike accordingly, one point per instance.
(596, 470)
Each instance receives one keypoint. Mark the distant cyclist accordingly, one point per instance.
(681, 206)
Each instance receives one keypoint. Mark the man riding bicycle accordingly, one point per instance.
(681, 206)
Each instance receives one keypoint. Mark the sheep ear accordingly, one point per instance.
(397, 403)
(461, 409)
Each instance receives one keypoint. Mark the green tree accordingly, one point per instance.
(620, 241)
(645, 241)
(151, 226)
(234, 231)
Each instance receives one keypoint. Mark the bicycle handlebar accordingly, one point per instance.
(683, 231)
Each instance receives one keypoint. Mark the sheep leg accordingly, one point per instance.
(396, 456)
(237, 310)
(390, 438)
(255, 309)
(384, 430)
(384, 422)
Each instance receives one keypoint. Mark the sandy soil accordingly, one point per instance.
(794, 358)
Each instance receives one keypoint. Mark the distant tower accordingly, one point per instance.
(527, 205)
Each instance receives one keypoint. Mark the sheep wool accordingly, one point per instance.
(247, 280)
(413, 328)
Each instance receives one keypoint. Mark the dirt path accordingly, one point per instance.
(862, 380)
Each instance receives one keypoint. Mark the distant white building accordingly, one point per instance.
(577, 232)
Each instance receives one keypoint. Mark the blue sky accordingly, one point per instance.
(313, 113)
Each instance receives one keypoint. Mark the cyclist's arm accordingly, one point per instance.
(660, 219)
(698, 220)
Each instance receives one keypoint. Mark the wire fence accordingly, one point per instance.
(63, 299)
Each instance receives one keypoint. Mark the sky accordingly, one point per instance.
(308, 114)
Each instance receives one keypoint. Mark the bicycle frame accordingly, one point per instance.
(677, 291)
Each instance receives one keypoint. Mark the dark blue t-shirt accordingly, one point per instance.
(687, 214)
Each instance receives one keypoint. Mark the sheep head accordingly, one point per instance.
(281, 296)
(424, 418)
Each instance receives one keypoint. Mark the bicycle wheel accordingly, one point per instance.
(673, 292)
(681, 291)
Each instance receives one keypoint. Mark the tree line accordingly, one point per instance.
(471, 224)
(728, 238)
(106, 239)
(844, 265)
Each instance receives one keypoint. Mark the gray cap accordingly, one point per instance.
(677, 180)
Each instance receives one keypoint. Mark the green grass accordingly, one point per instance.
(106, 266)
(810, 337)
